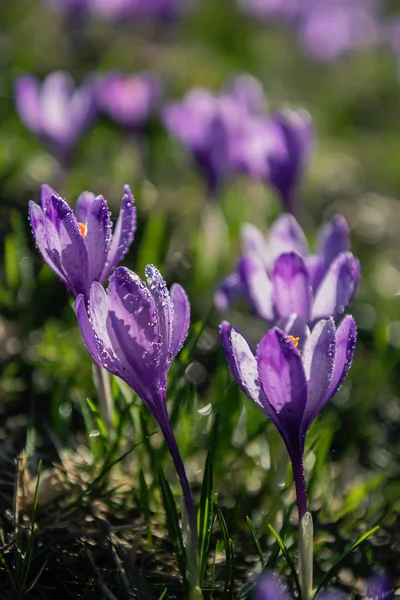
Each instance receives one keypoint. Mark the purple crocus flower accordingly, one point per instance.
(129, 100)
(206, 124)
(276, 150)
(272, 587)
(280, 276)
(291, 379)
(329, 28)
(55, 111)
(80, 247)
(135, 332)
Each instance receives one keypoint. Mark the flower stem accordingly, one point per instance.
(306, 533)
(187, 498)
(300, 485)
(101, 379)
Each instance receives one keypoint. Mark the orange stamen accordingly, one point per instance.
(83, 228)
(294, 340)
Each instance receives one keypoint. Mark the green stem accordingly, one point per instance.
(106, 404)
(306, 533)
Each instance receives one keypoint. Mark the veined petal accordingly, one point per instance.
(159, 291)
(38, 224)
(291, 287)
(337, 288)
(82, 207)
(86, 329)
(45, 194)
(99, 310)
(123, 233)
(334, 239)
(134, 329)
(134, 306)
(243, 365)
(97, 238)
(74, 257)
(346, 337)
(257, 284)
(181, 317)
(282, 376)
(318, 361)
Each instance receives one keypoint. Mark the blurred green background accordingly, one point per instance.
(45, 372)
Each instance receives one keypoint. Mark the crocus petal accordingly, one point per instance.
(252, 240)
(45, 194)
(134, 306)
(55, 94)
(123, 233)
(27, 101)
(82, 109)
(258, 285)
(286, 235)
(86, 329)
(231, 289)
(181, 317)
(318, 361)
(159, 291)
(134, 330)
(243, 365)
(282, 376)
(38, 224)
(270, 587)
(337, 288)
(291, 286)
(346, 337)
(97, 237)
(316, 268)
(74, 257)
(334, 239)
(99, 309)
(83, 205)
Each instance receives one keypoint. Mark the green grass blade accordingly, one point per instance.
(173, 524)
(326, 578)
(275, 551)
(255, 540)
(287, 557)
(29, 552)
(230, 563)
(205, 515)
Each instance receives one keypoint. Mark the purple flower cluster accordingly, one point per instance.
(132, 331)
(231, 133)
(326, 28)
(59, 114)
(280, 277)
